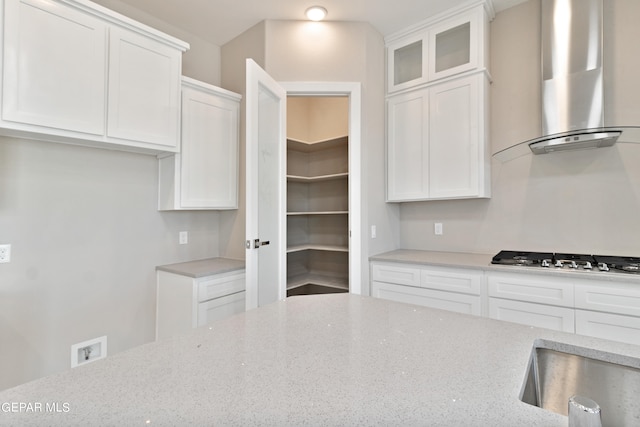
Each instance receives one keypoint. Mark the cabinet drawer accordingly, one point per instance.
(459, 303)
(618, 298)
(209, 287)
(526, 288)
(608, 326)
(453, 281)
(220, 308)
(396, 274)
(538, 315)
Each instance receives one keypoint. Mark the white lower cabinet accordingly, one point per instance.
(444, 288)
(538, 315)
(185, 302)
(583, 305)
(460, 303)
(608, 326)
(610, 311)
(544, 302)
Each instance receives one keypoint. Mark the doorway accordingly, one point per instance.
(323, 180)
(266, 237)
(317, 178)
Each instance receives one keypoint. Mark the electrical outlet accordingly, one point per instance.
(374, 232)
(5, 253)
(88, 351)
(437, 229)
(183, 237)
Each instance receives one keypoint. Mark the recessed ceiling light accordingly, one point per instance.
(316, 13)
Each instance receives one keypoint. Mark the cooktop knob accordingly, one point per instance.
(545, 263)
(587, 265)
(573, 265)
(603, 266)
(558, 263)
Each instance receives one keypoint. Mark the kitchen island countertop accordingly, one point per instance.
(338, 359)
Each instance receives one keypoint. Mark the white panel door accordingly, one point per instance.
(266, 203)
(54, 66)
(454, 139)
(408, 146)
(144, 90)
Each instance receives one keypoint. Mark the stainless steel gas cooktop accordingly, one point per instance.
(569, 261)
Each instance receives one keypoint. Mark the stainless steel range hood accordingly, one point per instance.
(572, 86)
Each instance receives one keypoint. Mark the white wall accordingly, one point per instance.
(580, 201)
(86, 237)
(200, 62)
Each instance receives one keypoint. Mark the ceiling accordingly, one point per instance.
(219, 21)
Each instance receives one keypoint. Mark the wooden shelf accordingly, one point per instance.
(317, 279)
(309, 146)
(319, 213)
(313, 247)
(335, 176)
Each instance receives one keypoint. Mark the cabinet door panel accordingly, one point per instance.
(538, 315)
(407, 146)
(454, 45)
(219, 286)
(144, 90)
(220, 308)
(454, 139)
(453, 281)
(396, 274)
(54, 67)
(608, 326)
(537, 289)
(614, 298)
(450, 301)
(209, 155)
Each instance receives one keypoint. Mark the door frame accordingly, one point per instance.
(352, 90)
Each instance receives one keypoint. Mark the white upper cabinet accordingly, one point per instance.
(408, 146)
(455, 44)
(204, 175)
(54, 67)
(407, 61)
(144, 89)
(77, 72)
(437, 109)
(446, 45)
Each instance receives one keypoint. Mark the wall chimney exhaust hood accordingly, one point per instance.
(572, 84)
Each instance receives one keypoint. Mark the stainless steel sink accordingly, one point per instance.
(558, 371)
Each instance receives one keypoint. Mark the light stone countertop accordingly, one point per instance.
(337, 359)
(203, 267)
(483, 262)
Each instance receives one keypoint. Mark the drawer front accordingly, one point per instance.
(538, 315)
(454, 281)
(393, 273)
(526, 288)
(618, 299)
(218, 286)
(608, 326)
(459, 303)
(220, 308)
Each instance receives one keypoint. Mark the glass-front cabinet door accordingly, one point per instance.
(454, 46)
(407, 62)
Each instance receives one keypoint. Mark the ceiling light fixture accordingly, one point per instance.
(316, 13)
